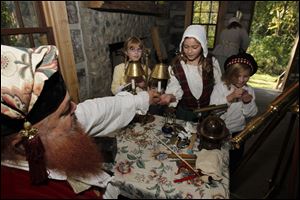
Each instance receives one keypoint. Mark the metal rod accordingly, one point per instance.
(211, 107)
(178, 156)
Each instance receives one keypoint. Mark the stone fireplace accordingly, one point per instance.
(116, 54)
(101, 36)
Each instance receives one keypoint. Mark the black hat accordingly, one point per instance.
(244, 58)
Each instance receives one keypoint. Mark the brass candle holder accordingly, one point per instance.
(134, 71)
(158, 76)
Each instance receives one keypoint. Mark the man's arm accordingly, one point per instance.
(102, 116)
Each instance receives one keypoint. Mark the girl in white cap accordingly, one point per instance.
(232, 40)
(194, 73)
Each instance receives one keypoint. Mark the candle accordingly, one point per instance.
(159, 86)
(133, 84)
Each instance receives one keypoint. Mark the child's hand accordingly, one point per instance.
(154, 96)
(166, 99)
(235, 95)
(140, 82)
(246, 97)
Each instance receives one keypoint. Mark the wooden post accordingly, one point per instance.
(56, 17)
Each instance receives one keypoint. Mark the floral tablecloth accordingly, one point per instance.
(143, 170)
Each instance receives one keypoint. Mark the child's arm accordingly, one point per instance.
(249, 108)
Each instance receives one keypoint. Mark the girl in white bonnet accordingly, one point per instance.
(193, 73)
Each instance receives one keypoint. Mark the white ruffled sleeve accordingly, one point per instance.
(101, 116)
(174, 88)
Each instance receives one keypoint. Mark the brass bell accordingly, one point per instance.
(134, 70)
(160, 71)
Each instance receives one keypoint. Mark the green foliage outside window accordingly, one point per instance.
(6, 22)
(273, 31)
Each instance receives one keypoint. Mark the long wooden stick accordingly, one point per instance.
(178, 156)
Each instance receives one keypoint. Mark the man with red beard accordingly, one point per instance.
(46, 146)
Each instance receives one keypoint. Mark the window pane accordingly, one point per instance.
(8, 15)
(213, 18)
(197, 5)
(215, 6)
(196, 18)
(210, 42)
(204, 18)
(40, 39)
(8, 40)
(205, 6)
(211, 31)
(29, 14)
(16, 40)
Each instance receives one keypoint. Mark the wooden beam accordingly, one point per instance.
(188, 13)
(57, 18)
(142, 7)
(291, 63)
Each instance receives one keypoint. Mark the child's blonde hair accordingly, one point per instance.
(233, 71)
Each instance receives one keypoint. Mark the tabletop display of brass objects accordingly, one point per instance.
(211, 131)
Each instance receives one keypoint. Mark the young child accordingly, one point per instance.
(133, 50)
(240, 97)
(193, 75)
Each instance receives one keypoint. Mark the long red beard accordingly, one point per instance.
(74, 153)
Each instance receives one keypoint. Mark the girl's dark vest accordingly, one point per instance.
(188, 101)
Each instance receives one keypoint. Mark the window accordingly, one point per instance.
(23, 24)
(206, 13)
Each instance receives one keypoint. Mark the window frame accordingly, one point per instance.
(30, 31)
(206, 25)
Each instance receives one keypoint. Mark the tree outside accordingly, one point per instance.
(273, 32)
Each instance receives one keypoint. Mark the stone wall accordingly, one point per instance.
(92, 31)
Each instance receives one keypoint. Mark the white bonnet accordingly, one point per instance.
(233, 19)
(199, 33)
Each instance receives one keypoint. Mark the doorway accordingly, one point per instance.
(273, 34)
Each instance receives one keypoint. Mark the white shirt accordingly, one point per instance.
(237, 112)
(194, 78)
(102, 116)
